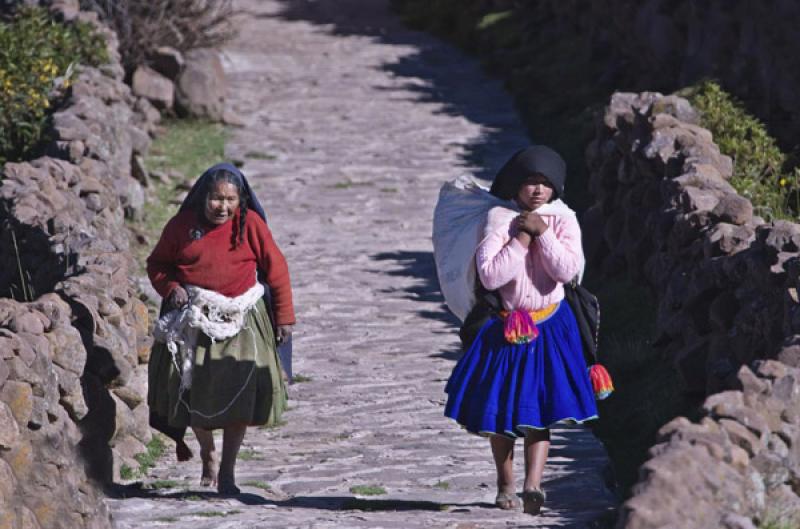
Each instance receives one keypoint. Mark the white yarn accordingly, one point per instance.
(218, 317)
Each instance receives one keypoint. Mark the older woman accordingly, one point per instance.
(215, 362)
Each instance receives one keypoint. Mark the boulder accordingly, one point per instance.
(154, 87)
(201, 86)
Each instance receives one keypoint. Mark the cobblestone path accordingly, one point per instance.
(353, 123)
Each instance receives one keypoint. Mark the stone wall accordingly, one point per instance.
(726, 284)
(73, 333)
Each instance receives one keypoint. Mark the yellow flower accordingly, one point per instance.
(783, 182)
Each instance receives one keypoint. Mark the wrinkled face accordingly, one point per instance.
(534, 192)
(221, 203)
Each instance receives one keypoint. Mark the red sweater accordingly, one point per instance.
(214, 263)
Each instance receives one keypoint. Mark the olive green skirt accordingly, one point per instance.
(237, 380)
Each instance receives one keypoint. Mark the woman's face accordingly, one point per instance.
(221, 203)
(534, 192)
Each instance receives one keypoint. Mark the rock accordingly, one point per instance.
(139, 171)
(735, 521)
(742, 437)
(726, 239)
(790, 355)
(148, 113)
(771, 369)
(140, 140)
(19, 398)
(678, 107)
(167, 61)
(696, 199)
(201, 86)
(734, 209)
(153, 86)
(750, 383)
(9, 429)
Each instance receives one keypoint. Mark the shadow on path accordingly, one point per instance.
(558, 502)
(442, 68)
(420, 266)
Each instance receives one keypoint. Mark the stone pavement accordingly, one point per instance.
(353, 123)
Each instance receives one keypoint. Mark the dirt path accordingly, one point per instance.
(353, 124)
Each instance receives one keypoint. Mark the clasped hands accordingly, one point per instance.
(529, 224)
(179, 297)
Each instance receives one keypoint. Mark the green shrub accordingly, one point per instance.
(758, 163)
(38, 58)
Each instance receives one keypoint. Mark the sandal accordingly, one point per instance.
(506, 501)
(532, 501)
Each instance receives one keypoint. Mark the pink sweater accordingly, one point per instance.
(529, 278)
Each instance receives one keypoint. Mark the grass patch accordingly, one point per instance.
(164, 484)
(259, 155)
(263, 485)
(167, 519)
(249, 455)
(300, 378)
(126, 473)
(347, 184)
(389, 190)
(148, 459)
(492, 19)
(367, 490)
(442, 485)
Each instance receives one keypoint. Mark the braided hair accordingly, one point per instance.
(226, 176)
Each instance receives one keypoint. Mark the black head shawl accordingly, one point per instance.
(201, 186)
(526, 162)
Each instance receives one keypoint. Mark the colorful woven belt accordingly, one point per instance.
(519, 326)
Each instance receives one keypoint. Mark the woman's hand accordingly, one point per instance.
(178, 297)
(531, 223)
(283, 333)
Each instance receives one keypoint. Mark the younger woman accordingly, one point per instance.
(214, 364)
(525, 369)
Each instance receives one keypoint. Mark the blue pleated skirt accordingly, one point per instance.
(502, 388)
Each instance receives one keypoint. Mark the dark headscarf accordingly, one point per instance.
(197, 193)
(527, 162)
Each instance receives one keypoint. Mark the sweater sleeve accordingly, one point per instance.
(272, 262)
(499, 261)
(161, 262)
(561, 250)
